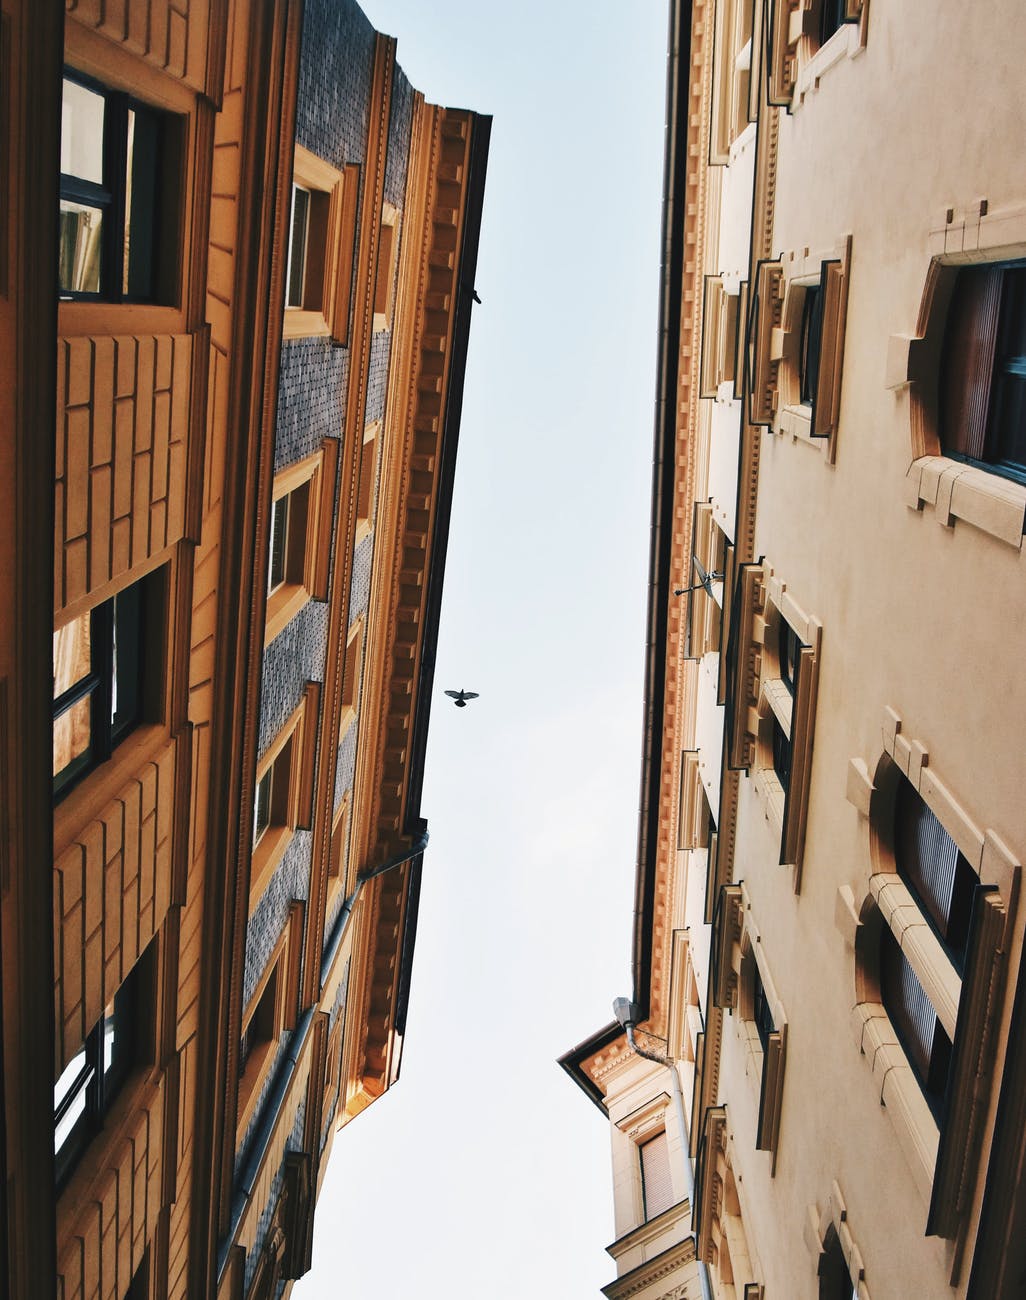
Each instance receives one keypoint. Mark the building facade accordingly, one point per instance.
(827, 939)
(232, 554)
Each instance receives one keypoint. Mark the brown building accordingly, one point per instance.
(230, 547)
(828, 939)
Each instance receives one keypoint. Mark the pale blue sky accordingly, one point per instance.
(484, 1174)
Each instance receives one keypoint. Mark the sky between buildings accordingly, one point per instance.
(484, 1174)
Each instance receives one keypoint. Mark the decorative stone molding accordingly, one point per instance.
(834, 1220)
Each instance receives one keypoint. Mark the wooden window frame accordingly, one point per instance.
(166, 224)
(352, 676)
(367, 481)
(330, 245)
(385, 268)
(291, 758)
(311, 482)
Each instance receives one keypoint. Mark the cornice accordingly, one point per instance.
(659, 1269)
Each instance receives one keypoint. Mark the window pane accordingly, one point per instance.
(126, 676)
(296, 271)
(812, 330)
(71, 654)
(141, 207)
(70, 1090)
(262, 806)
(279, 529)
(82, 114)
(781, 754)
(80, 252)
(1006, 435)
(72, 735)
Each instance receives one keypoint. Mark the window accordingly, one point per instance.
(270, 1011)
(762, 1013)
(368, 479)
(834, 1279)
(797, 29)
(656, 1184)
(719, 336)
(788, 653)
(915, 1021)
(351, 677)
(809, 343)
(319, 250)
(384, 279)
(982, 404)
(118, 200)
(781, 754)
(935, 870)
(299, 536)
(93, 1078)
(832, 14)
(104, 675)
(339, 840)
(283, 792)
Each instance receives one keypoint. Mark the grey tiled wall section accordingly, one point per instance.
(377, 378)
(346, 764)
(336, 66)
(398, 139)
(294, 657)
(294, 1142)
(359, 589)
(291, 880)
(311, 398)
(265, 1088)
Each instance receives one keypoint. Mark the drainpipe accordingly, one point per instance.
(626, 1013)
(261, 1139)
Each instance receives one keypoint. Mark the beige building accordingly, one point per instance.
(827, 942)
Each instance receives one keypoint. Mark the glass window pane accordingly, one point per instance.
(279, 529)
(72, 735)
(71, 654)
(141, 208)
(296, 271)
(71, 1088)
(79, 248)
(82, 120)
(127, 660)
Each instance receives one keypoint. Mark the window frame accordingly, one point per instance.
(330, 245)
(306, 553)
(111, 194)
(385, 267)
(104, 682)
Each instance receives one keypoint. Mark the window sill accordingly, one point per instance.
(87, 801)
(989, 502)
(283, 605)
(363, 531)
(301, 324)
(81, 319)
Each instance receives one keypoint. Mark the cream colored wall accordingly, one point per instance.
(917, 616)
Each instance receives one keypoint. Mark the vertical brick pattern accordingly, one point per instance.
(122, 426)
(111, 892)
(377, 379)
(335, 71)
(170, 34)
(399, 130)
(290, 881)
(103, 1247)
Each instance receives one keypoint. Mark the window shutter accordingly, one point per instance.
(656, 1185)
(967, 365)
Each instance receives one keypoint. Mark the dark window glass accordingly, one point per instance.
(90, 1082)
(789, 650)
(262, 805)
(809, 344)
(831, 16)
(781, 755)
(112, 155)
(834, 1279)
(922, 1036)
(982, 391)
(98, 667)
(937, 874)
(761, 1013)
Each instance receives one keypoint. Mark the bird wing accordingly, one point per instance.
(470, 695)
(454, 695)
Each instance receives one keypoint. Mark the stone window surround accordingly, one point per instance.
(739, 953)
(637, 1128)
(796, 61)
(969, 1009)
(817, 1228)
(761, 696)
(954, 490)
(707, 610)
(735, 103)
(388, 258)
(720, 339)
(318, 472)
(341, 189)
(714, 1219)
(775, 339)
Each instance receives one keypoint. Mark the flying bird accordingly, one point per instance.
(461, 696)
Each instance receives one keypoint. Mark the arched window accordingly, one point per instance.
(834, 1279)
(936, 872)
(982, 385)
